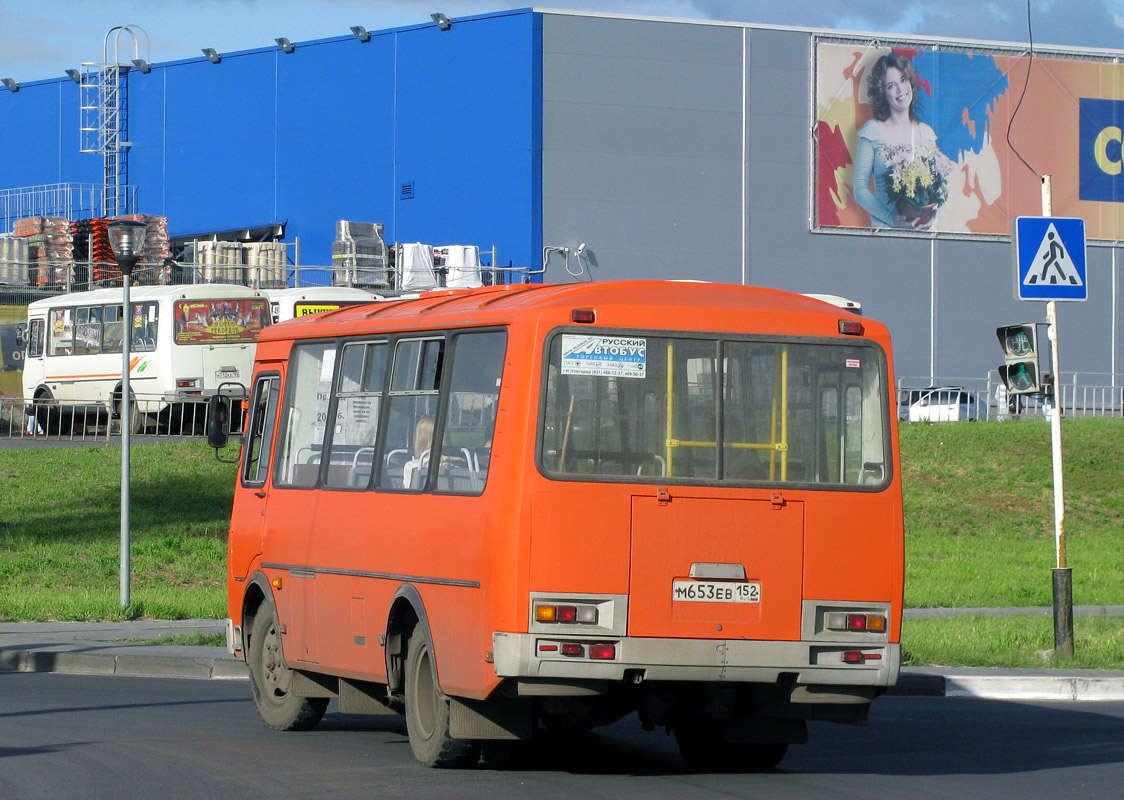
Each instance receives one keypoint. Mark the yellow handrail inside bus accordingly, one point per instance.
(774, 446)
(669, 442)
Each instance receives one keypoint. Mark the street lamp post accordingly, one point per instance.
(127, 239)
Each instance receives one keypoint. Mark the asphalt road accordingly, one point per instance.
(111, 737)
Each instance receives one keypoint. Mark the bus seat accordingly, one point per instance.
(413, 471)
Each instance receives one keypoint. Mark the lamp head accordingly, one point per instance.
(126, 237)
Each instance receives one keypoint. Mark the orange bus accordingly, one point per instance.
(515, 506)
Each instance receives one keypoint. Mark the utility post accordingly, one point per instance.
(126, 236)
(1050, 265)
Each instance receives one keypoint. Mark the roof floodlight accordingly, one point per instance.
(443, 22)
(11, 83)
(361, 33)
(74, 75)
(142, 65)
(285, 44)
(212, 55)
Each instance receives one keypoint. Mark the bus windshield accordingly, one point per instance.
(220, 321)
(657, 408)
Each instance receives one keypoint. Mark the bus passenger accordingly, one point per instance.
(412, 474)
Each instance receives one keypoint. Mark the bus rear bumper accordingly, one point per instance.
(823, 663)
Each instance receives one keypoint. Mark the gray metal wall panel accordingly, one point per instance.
(642, 160)
(642, 147)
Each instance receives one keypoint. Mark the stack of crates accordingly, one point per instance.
(217, 262)
(360, 256)
(266, 264)
(13, 260)
(152, 268)
(50, 249)
(93, 254)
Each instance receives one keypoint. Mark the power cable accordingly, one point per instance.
(1029, 64)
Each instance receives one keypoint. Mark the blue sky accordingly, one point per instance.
(42, 38)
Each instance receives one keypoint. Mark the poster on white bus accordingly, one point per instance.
(218, 321)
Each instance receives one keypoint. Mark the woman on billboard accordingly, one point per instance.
(899, 152)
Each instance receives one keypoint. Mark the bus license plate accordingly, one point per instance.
(225, 374)
(716, 591)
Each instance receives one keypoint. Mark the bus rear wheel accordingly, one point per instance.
(704, 748)
(271, 680)
(427, 711)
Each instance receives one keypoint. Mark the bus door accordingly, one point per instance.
(715, 568)
(258, 447)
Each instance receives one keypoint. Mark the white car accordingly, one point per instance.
(944, 404)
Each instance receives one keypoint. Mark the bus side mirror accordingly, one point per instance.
(218, 421)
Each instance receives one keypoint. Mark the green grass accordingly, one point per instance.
(60, 525)
(1011, 642)
(978, 512)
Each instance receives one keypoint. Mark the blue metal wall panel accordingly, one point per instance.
(325, 133)
(335, 149)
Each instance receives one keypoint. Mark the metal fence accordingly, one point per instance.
(93, 422)
(1080, 394)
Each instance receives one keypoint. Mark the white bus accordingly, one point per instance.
(300, 302)
(186, 342)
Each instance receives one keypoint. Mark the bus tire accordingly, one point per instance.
(137, 420)
(271, 679)
(705, 750)
(427, 711)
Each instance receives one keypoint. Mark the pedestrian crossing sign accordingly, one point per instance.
(1049, 258)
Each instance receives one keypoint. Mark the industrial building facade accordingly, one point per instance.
(592, 147)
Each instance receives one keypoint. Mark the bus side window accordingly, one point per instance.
(305, 415)
(359, 391)
(415, 378)
(259, 431)
(474, 388)
(35, 338)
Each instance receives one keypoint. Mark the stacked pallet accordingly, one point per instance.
(152, 267)
(266, 264)
(93, 253)
(50, 249)
(13, 260)
(359, 255)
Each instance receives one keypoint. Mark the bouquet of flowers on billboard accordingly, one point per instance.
(917, 180)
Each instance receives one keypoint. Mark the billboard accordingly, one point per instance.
(910, 138)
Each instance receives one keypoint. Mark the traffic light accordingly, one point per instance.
(1020, 373)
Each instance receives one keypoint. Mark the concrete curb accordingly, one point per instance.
(134, 666)
(1008, 685)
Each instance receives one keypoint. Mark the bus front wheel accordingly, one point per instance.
(271, 680)
(427, 711)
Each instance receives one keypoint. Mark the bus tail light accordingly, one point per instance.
(851, 327)
(567, 614)
(856, 623)
(187, 383)
(595, 651)
(603, 652)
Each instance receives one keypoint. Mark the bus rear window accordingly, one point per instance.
(653, 408)
(220, 321)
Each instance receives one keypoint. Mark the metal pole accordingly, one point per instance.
(123, 409)
(1062, 574)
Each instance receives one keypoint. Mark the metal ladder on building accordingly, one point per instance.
(104, 115)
